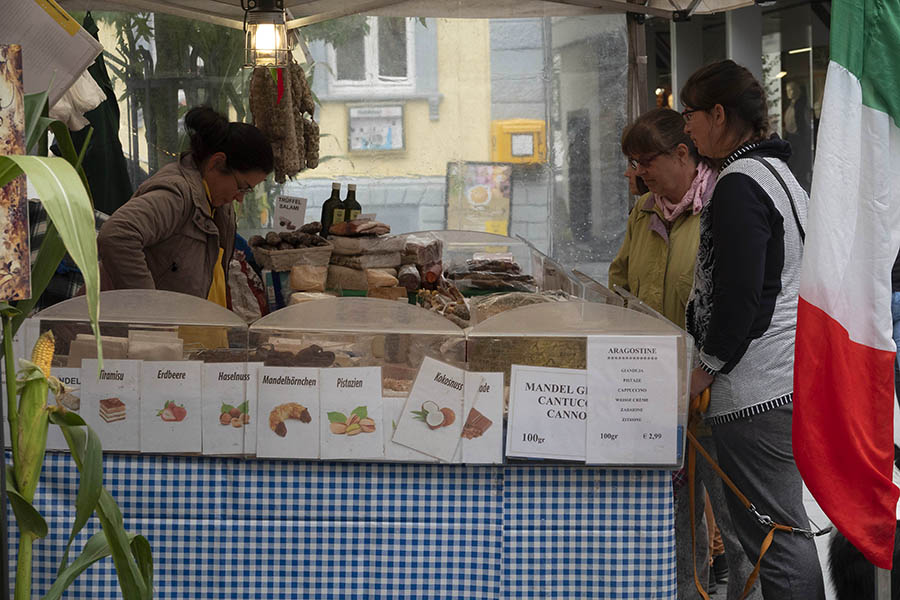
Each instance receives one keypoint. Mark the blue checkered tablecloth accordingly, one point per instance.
(229, 528)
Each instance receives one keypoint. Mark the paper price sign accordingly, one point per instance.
(547, 413)
(290, 212)
(633, 385)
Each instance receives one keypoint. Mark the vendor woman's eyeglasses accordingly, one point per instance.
(643, 162)
(243, 189)
(689, 114)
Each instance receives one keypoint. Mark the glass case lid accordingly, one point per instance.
(571, 319)
(156, 307)
(461, 237)
(353, 315)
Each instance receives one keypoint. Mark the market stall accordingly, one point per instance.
(248, 481)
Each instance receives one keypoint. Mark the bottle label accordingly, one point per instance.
(338, 215)
(354, 214)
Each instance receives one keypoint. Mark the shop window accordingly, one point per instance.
(382, 60)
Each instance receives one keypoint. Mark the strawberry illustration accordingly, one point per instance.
(179, 412)
(168, 412)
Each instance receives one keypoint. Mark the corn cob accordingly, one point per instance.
(33, 417)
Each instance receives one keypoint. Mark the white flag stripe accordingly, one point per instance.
(854, 211)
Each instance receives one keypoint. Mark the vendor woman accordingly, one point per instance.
(177, 232)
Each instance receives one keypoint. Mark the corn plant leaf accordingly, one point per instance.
(34, 107)
(51, 252)
(28, 518)
(89, 484)
(140, 549)
(131, 581)
(66, 201)
(95, 549)
(67, 419)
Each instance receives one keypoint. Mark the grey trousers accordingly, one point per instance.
(756, 454)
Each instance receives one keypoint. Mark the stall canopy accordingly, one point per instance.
(307, 12)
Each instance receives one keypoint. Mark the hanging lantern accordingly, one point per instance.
(265, 33)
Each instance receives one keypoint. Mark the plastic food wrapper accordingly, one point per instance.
(308, 278)
(367, 261)
(491, 272)
(381, 244)
(409, 277)
(485, 307)
(423, 249)
(299, 297)
(381, 278)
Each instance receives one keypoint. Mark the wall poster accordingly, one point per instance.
(479, 195)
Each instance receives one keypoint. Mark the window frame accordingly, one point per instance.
(373, 82)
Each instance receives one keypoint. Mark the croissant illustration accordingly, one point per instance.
(283, 412)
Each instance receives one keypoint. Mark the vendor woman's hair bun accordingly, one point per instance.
(246, 148)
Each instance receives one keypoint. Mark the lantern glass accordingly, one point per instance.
(265, 43)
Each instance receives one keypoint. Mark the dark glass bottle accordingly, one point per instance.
(352, 209)
(330, 209)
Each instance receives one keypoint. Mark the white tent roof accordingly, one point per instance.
(306, 12)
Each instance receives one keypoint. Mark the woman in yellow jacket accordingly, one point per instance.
(656, 261)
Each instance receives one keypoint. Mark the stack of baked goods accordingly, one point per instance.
(365, 258)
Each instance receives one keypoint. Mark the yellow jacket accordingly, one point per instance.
(657, 270)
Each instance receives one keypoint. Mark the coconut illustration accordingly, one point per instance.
(434, 416)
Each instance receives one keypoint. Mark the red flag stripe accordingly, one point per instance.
(854, 489)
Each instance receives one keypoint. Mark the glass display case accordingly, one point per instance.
(366, 353)
(173, 378)
(560, 336)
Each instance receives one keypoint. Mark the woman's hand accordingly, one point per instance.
(700, 380)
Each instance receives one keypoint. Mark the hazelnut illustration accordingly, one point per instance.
(235, 413)
(245, 418)
(236, 422)
(225, 418)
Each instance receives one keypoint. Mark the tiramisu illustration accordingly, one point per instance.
(112, 409)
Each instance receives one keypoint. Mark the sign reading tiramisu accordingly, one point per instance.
(547, 413)
(111, 402)
(351, 413)
(633, 401)
(171, 406)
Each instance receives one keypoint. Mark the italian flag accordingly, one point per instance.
(844, 355)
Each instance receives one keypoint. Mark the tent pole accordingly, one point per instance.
(637, 66)
(882, 584)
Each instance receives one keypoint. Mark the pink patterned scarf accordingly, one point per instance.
(694, 198)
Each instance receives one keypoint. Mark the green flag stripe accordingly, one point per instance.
(865, 40)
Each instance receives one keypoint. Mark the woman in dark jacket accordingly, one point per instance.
(743, 313)
(177, 232)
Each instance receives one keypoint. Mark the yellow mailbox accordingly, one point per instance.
(519, 141)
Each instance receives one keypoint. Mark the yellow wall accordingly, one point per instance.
(462, 131)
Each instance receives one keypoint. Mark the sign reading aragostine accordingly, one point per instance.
(633, 401)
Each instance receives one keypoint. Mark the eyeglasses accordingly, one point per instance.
(643, 162)
(242, 189)
(688, 114)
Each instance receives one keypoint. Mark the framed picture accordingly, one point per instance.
(479, 196)
(376, 128)
(15, 255)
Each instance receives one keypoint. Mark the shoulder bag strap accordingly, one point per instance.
(786, 191)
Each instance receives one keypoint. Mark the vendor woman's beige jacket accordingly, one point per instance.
(164, 237)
